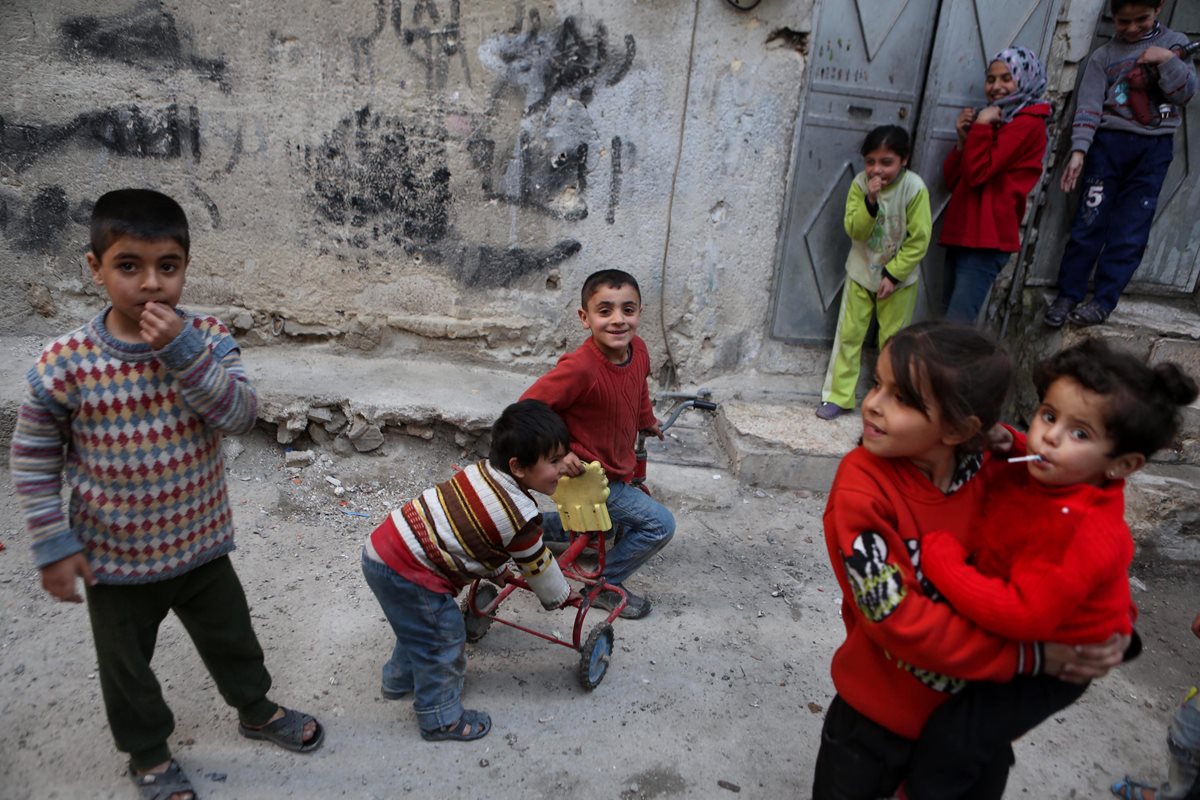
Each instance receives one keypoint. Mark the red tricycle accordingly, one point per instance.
(582, 505)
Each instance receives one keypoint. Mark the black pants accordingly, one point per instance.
(965, 737)
(861, 760)
(210, 603)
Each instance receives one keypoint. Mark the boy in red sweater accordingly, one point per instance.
(1051, 551)
(600, 391)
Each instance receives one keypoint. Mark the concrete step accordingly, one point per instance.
(783, 444)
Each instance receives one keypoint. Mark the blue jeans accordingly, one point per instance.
(430, 656)
(1122, 176)
(970, 273)
(1183, 742)
(645, 524)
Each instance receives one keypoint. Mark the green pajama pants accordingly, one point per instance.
(854, 318)
(210, 603)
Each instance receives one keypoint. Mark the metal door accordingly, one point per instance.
(969, 33)
(867, 69)
(1172, 261)
(904, 62)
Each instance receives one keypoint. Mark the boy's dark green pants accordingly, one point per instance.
(210, 603)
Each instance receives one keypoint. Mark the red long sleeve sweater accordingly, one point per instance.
(990, 180)
(1049, 563)
(905, 652)
(604, 404)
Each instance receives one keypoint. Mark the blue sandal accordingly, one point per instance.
(470, 726)
(1129, 789)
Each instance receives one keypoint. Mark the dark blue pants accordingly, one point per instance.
(1122, 176)
(969, 275)
(430, 656)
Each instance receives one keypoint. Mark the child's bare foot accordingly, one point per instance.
(1129, 789)
(163, 782)
(289, 729)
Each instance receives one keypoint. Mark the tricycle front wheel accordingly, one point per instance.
(594, 656)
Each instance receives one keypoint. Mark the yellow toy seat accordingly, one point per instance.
(583, 500)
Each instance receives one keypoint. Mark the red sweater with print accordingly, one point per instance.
(905, 651)
(604, 404)
(990, 180)
(1048, 563)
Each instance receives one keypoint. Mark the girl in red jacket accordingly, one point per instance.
(937, 387)
(1050, 552)
(990, 173)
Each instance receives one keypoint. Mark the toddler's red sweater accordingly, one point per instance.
(1049, 563)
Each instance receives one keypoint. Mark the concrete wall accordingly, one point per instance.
(430, 175)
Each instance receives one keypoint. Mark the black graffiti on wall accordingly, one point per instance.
(122, 130)
(380, 178)
(563, 59)
(558, 71)
(39, 226)
(146, 36)
(433, 35)
(380, 181)
(487, 267)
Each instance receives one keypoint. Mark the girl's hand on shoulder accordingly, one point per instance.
(159, 325)
(1000, 439)
(1155, 55)
(1070, 175)
(990, 115)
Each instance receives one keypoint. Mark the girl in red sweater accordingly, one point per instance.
(1050, 555)
(937, 387)
(990, 173)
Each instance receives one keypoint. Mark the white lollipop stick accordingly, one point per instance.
(1019, 459)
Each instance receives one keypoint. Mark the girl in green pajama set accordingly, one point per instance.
(889, 224)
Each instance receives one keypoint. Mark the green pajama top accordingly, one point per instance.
(896, 237)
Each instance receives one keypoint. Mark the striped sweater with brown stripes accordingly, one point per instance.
(471, 526)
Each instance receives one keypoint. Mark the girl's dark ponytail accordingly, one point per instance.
(1174, 385)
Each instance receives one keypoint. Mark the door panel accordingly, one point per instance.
(1172, 260)
(867, 69)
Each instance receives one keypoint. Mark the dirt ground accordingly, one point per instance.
(720, 691)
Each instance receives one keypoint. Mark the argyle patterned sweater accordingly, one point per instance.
(135, 434)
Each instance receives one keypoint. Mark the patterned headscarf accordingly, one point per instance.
(1029, 75)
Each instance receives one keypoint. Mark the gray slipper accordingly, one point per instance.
(287, 732)
(162, 785)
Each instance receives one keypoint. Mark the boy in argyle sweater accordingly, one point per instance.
(128, 412)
